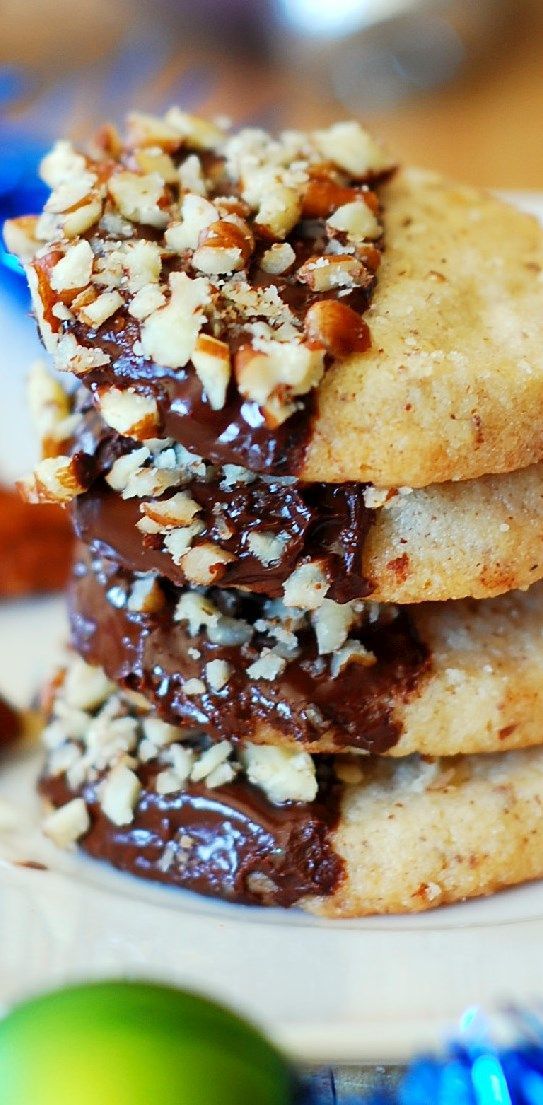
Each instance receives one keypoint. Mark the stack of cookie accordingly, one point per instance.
(302, 461)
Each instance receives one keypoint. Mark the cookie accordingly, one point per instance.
(439, 678)
(339, 837)
(156, 507)
(475, 538)
(307, 386)
(166, 805)
(275, 303)
(413, 836)
(202, 290)
(449, 387)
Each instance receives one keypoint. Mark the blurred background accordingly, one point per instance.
(455, 84)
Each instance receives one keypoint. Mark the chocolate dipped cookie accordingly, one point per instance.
(298, 440)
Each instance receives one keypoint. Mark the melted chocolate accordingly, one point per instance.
(230, 842)
(238, 433)
(155, 655)
(326, 521)
(316, 521)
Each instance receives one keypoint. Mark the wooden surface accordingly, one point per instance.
(347, 1085)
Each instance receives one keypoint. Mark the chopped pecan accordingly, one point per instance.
(337, 327)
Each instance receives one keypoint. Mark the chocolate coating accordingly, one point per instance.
(317, 521)
(328, 521)
(155, 655)
(234, 843)
(238, 433)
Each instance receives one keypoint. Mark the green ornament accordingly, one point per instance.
(135, 1043)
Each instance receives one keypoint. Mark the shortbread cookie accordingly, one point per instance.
(477, 538)
(450, 385)
(215, 288)
(437, 678)
(343, 837)
(415, 835)
(197, 524)
(158, 507)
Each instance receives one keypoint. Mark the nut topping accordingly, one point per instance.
(74, 269)
(194, 131)
(196, 214)
(119, 794)
(271, 376)
(353, 149)
(337, 327)
(68, 823)
(100, 309)
(279, 210)
(356, 220)
(148, 130)
(278, 258)
(237, 224)
(306, 588)
(20, 236)
(224, 246)
(146, 596)
(169, 334)
(54, 480)
(211, 359)
(129, 413)
(323, 197)
(154, 160)
(338, 271)
(137, 197)
(179, 510)
(204, 564)
(50, 409)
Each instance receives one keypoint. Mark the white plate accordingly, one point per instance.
(374, 989)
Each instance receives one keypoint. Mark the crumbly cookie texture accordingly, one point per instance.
(448, 389)
(188, 243)
(414, 835)
(478, 538)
